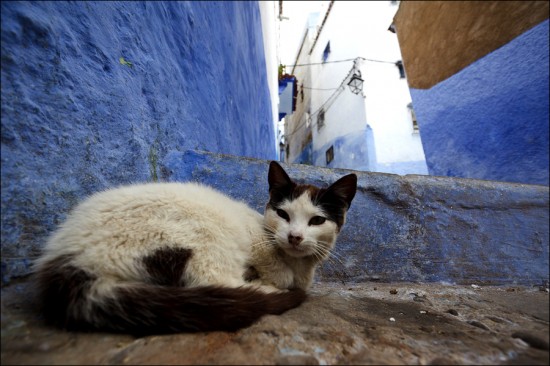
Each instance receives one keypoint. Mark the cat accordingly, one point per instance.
(301, 223)
(158, 258)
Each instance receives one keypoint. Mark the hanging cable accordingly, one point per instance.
(346, 60)
(327, 103)
(305, 87)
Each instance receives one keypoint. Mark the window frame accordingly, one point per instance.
(326, 52)
(329, 154)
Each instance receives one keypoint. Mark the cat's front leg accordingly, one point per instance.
(279, 276)
(304, 279)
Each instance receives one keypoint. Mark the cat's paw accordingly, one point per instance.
(271, 289)
(268, 289)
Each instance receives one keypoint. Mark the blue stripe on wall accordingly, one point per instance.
(490, 120)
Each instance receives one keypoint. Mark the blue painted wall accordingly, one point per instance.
(351, 151)
(491, 119)
(306, 156)
(76, 118)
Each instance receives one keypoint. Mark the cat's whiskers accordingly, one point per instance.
(263, 244)
(328, 249)
(329, 256)
(269, 228)
(318, 256)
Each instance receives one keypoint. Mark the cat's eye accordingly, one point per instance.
(283, 214)
(316, 220)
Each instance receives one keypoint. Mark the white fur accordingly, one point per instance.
(112, 231)
(301, 210)
(280, 264)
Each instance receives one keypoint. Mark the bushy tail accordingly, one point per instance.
(144, 309)
(163, 309)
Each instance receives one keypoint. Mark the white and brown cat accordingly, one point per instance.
(172, 257)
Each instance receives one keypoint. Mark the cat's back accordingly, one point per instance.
(141, 215)
(155, 198)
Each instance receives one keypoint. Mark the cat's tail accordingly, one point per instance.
(74, 300)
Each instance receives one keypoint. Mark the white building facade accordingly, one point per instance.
(373, 130)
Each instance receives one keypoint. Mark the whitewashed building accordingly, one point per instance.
(373, 130)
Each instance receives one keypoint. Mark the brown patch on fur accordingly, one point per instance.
(167, 265)
(291, 192)
(300, 189)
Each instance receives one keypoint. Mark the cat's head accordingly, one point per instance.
(305, 220)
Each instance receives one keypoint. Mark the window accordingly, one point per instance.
(320, 119)
(330, 154)
(399, 65)
(413, 118)
(326, 52)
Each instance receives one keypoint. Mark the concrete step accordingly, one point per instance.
(406, 228)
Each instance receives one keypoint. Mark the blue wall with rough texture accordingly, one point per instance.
(491, 120)
(76, 119)
(351, 151)
(305, 156)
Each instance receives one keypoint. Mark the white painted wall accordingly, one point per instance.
(360, 29)
(268, 12)
(297, 128)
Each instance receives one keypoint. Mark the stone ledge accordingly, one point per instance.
(407, 228)
(400, 228)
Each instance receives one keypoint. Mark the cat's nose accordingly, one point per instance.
(295, 240)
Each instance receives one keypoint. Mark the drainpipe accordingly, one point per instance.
(321, 27)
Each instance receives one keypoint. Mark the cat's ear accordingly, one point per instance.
(277, 177)
(344, 188)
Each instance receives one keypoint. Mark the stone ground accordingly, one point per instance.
(366, 323)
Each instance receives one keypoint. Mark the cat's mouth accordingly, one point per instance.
(299, 251)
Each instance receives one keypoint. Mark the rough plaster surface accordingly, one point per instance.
(76, 118)
(490, 120)
(364, 323)
(407, 228)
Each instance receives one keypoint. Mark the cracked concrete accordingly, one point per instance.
(360, 323)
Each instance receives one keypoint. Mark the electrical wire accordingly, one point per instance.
(348, 59)
(305, 87)
(330, 100)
